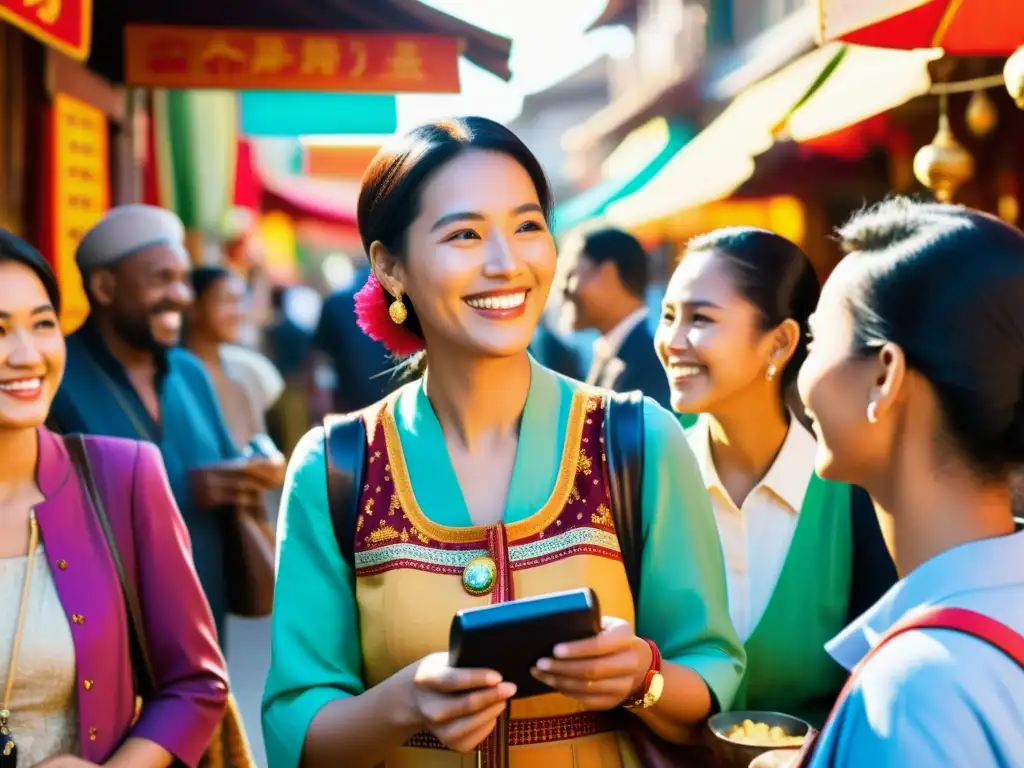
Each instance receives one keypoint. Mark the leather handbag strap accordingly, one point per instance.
(344, 449)
(142, 667)
(624, 446)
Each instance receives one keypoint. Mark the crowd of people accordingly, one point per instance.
(823, 524)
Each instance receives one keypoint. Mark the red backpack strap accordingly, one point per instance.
(968, 622)
(962, 620)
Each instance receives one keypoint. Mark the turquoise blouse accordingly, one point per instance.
(316, 655)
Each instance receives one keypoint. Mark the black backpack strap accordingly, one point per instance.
(624, 447)
(873, 569)
(344, 451)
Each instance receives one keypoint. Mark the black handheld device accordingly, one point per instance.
(512, 637)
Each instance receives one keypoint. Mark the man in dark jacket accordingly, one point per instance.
(606, 277)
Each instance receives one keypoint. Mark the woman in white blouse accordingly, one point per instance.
(732, 337)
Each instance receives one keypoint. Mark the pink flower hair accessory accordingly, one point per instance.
(374, 320)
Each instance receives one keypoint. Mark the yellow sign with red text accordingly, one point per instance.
(239, 59)
(64, 25)
(81, 190)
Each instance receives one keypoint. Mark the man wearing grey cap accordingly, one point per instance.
(126, 377)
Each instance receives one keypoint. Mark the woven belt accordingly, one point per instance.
(541, 730)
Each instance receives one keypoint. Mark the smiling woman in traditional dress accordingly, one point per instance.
(801, 558)
(488, 455)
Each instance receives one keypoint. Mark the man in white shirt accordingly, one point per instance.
(606, 277)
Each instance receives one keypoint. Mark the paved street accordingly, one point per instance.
(248, 655)
(248, 660)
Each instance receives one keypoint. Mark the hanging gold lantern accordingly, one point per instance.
(981, 115)
(1013, 74)
(944, 165)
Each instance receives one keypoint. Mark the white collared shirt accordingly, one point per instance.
(756, 535)
(607, 347)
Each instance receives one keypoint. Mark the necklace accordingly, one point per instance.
(8, 748)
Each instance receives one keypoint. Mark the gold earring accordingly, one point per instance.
(872, 412)
(772, 370)
(397, 310)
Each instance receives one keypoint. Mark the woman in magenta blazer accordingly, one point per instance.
(66, 674)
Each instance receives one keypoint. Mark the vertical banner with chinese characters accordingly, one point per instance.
(81, 194)
(64, 25)
(344, 62)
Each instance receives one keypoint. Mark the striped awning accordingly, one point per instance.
(825, 91)
(637, 160)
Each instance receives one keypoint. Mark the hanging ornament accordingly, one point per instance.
(1013, 75)
(981, 115)
(1008, 192)
(944, 165)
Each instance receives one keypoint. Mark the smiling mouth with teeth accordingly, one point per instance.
(498, 302)
(684, 371)
(22, 388)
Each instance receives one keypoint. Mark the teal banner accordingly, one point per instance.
(302, 113)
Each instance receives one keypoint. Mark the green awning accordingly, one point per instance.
(637, 160)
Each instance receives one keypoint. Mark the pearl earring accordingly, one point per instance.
(872, 412)
(770, 373)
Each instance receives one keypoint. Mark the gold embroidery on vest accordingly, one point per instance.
(584, 466)
(382, 533)
(414, 531)
(603, 516)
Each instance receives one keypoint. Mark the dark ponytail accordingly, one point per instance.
(946, 285)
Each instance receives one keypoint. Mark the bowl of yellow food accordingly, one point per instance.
(738, 737)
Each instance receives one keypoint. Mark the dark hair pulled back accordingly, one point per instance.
(204, 278)
(14, 249)
(773, 274)
(946, 284)
(389, 198)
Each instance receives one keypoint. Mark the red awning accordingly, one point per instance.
(959, 27)
(302, 198)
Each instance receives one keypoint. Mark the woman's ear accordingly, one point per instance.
(785, 340)
(387, 269)
(891, 372)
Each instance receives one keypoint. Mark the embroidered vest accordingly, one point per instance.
(413, 575)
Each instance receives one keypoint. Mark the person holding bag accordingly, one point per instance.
(98, 581)
(485, 481)
(126, 376)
